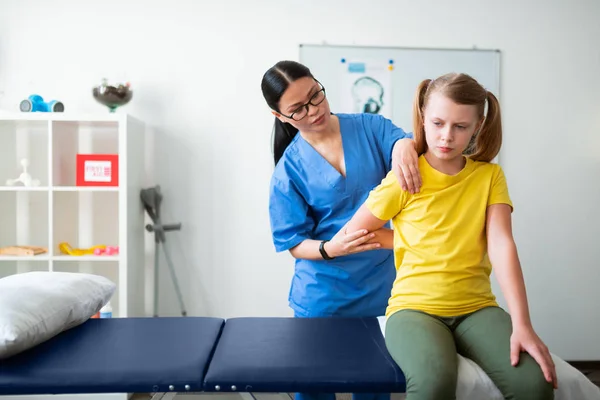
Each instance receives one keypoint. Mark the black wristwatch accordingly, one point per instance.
(323, 252)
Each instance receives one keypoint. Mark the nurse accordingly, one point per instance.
(325, 166)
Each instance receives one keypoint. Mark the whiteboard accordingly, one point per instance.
(398, 71)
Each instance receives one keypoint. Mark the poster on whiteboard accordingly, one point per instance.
(366, 87)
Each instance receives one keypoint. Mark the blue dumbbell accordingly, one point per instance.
(35, 103)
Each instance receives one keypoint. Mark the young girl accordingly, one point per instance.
(447, 237)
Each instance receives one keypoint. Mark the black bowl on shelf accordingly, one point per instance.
(112, 96)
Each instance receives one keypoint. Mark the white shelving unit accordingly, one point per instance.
(59, 211)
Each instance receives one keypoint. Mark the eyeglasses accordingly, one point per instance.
(302, 111)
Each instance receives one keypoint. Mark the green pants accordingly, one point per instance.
(425, 348)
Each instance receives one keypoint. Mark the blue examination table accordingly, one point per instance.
(201, 354)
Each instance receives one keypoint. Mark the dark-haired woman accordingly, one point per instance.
(325, 166)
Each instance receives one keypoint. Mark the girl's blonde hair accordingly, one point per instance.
(462, 89)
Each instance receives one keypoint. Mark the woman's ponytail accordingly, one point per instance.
(283, 134)
(274, 83)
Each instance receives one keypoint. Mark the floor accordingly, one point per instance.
(592, 372)
(594, 376)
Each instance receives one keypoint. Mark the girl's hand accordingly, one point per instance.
(405, 164)
(525, 339)
(348, 243)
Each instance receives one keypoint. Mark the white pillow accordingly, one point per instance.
(36, 306)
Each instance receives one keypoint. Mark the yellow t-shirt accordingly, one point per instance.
(440, 245)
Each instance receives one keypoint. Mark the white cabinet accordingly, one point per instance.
(58, 211)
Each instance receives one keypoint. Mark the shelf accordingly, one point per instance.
(24, 258)
(59, 189)
(61, 258)
(24, 188)
(85, 258)
(73, 117)
(85, 189)
(59, 211)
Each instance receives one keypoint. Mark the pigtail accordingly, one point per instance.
(489, 139)
(418, 127)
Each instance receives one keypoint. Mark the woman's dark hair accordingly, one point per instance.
(274, 83)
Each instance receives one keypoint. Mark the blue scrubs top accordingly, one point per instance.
(310, 199)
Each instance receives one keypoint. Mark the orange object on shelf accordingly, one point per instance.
(22, 250)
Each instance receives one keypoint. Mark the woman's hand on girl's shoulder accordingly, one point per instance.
(405, 164)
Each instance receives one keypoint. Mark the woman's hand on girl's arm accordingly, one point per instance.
(502, 252)
(343, 243)
(348, 242)
(405, 164)
(361, 233)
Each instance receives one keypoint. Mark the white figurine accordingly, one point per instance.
(24, 178)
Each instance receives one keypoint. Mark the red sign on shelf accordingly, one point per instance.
(97, 170)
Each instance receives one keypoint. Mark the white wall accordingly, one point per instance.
(196, 67)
